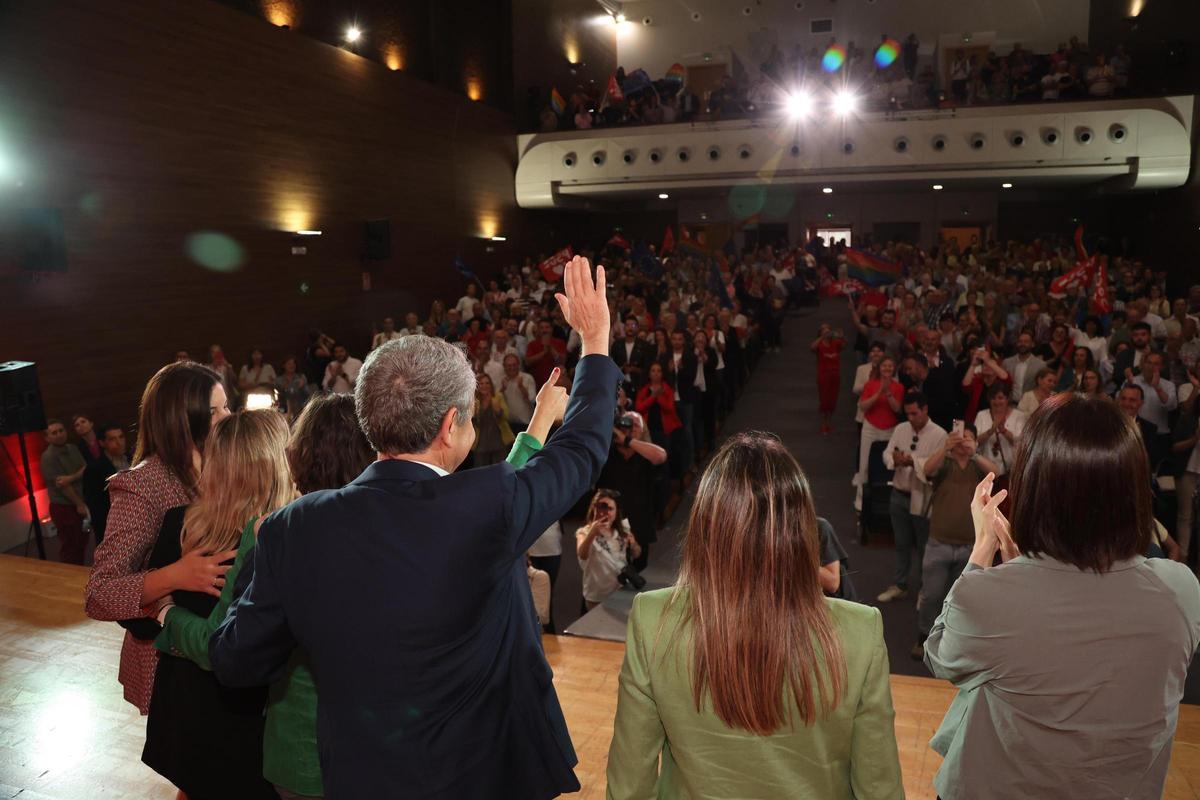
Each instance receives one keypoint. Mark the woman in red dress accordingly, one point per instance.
(828, 347)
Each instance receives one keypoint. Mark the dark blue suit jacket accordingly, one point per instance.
(409, 592)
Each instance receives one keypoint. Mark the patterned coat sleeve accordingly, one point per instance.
(114, 589)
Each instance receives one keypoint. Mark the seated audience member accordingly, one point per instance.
(912, 442)
(605, 547)
(748, 610)
(388, 333)
(1124, 628)
(493, 436)
(473, 599)
(62, 468)
(412, 325)
(630, 473)
(1043, 388)
(1081, 361)
(953, 471)
(342, 373)
(519, 390)
(256, 374)
(194, 721)
(113, 458)
(452, 328)
(1131, 399)
(292, 388)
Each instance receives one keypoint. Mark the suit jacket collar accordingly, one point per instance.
(393, 469)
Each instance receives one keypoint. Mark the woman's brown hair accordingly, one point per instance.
(174, 418)
(763, 638)
(245, 476)
(1081, 484)
(328, 448)
(618, 523)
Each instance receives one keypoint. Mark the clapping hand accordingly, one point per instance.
(992, 530)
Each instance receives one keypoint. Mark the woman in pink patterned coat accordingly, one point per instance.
(179, 405)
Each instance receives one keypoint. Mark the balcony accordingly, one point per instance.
(1123, 145)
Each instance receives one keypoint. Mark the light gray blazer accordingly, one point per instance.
(1069, 681)
(1036, 365)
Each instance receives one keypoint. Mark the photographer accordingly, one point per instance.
(630, 472)
(603, 545)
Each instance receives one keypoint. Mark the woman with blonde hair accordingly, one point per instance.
(744, 679)
(203, 737)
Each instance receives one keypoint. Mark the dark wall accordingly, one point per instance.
(1163, 41)
(145, 124)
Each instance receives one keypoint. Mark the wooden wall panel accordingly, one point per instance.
(145, 123)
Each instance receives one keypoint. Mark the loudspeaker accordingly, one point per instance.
(41, 243)
(20, 399)
(377, 241)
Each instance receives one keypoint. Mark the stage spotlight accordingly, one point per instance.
(798, 104)
(844, 103)
(827, 190)
(353, 34)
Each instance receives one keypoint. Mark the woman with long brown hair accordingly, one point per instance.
(744, 679)
(605, 546)
(178, 407)
(203, 737)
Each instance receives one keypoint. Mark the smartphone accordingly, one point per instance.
(957, 427)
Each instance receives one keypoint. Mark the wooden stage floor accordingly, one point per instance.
(67, 734)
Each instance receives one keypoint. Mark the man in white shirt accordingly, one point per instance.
(911, 444)
(1161, 395)
(342, 372)
(466, 303)
(388, 333)
(501, 347)
(412, 325)
(517, 342)
(519, 392)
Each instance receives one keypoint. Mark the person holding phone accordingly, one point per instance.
(881, 403)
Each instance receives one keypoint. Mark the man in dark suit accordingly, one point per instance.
(939, 385)
(1128, 363)
(408, 588)
(679, 371)
(113, 458)
(632, 355)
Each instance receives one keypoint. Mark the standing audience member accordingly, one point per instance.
(1124, 629)
(685, 375)
(953, 470)
(493, 437)
(89, 444)
(1043, 387)
(1023, 367)
(828, 349)
(656, 403)
(630, 474)
(605, 548)
(292, 388)
(113, 459)
(180, 404)
(194, 721)
(1160, 399)
(632, 354)
(256, 374)
(748, 610)
(545, 353)
(912, 442)
(1131, 399)
(881, 402)
(1000, 427)
(388, 333)
(519, 390)
(342, 373)
(62, 470)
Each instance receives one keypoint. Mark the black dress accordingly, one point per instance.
(201, 736)
(634, 478)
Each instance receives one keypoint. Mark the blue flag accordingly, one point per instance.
(463, 269)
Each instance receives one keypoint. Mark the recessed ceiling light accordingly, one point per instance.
(663, 195)
(308, 233)
(1006, 186)
(937, 187)
(828, 190)
(353, 34)
(499, 239)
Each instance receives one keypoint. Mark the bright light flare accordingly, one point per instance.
(353, 34)
(844, 103)
(798, 104)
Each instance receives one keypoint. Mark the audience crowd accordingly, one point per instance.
(970, 77)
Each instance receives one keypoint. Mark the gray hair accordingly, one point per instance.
(405, 389)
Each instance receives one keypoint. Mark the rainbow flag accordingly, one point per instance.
(675, 74)
(871, 270)
(556, 101)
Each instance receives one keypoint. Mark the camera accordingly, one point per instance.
(623, 422)
(629, 577)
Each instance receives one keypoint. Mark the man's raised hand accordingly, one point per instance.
(585, 304)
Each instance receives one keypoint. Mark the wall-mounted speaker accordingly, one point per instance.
(20, 399)
(377, 239)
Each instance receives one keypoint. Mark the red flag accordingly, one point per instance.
(668, 242)
(1072, 279)
(619, 240)
(1101, 299)
(552, 268)
(1080, 250)
(614, 90)
(684, 234)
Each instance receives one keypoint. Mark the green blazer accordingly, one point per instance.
(290, 735)
(850, 755)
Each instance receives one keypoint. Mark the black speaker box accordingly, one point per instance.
(40, 241)
(20, 399)
(377, 241)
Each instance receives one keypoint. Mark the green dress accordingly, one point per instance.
(849, 755)
(290, 756)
